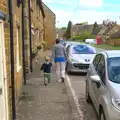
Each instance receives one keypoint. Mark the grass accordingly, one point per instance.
(107, 47)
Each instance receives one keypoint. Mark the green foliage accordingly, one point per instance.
(84, 35)
(68, 31)
(63, 28)
(95, 26)
(39, 47)
(34, 53)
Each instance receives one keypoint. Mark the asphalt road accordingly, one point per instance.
(78, 83)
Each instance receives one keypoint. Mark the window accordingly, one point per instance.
(114, 69)
(83, 49)
(19, 2)
(101, 69)
(18, 50)
(96, 61)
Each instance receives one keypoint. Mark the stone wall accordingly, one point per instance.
(49, 27)
(17, 29)
(113, 42)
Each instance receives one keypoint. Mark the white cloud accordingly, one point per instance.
(58, 2)
(91, 3)
(63, 17)
(81, 16)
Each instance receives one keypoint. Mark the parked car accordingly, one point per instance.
(103, 84)
(71, 43)
(63, 42)
(79, 57)
(90, 41)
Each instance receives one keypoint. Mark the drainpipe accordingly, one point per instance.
(12, 59)
(23, 43)
(29, 13)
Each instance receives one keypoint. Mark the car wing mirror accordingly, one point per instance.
(96, 79)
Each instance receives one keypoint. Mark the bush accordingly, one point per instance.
(34, 53)
(39, 47)
(84, 35)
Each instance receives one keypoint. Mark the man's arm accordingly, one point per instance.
(65, 54)
(53, 54)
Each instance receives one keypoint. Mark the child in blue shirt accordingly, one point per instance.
(46, 67)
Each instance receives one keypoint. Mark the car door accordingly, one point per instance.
(93, 71)
(99, 90)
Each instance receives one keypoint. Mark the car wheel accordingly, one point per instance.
(102, 115)
(88, 98)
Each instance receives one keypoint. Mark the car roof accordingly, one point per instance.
(112, 53)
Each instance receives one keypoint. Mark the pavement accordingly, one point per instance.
(52, 102)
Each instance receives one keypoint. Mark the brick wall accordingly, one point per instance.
(49, 24)
(18, 74)
(113, 42)
(37, 24)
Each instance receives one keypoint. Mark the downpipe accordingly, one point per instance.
(12, 60)
(29, 13)
(23, 45)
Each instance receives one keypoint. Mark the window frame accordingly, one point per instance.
(94, 64)
(18, 64)
(103, 78)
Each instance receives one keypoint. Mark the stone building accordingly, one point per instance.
(11, 57)
(34, 29)
(49, 26)
(16, 48)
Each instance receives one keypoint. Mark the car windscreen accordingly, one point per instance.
(83, 49)
(114, 69)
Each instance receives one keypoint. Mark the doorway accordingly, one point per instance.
(3, 84)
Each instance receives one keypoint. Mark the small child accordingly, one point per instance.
(46, 67)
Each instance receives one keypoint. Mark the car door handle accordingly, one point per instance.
(0, 91)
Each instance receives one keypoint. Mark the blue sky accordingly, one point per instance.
(84, 10)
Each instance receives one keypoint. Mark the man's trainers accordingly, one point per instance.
(45, 84)
(63, 79)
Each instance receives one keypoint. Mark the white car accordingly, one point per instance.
(103, 84)
(90, 41)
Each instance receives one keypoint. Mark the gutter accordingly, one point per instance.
(23, 43)
(29, 15)
(12, 59)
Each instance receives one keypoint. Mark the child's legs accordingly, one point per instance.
(45, 78)
(49, 78)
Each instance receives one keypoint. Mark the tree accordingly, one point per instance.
(95, 26)
(63, 28)
(68, 31)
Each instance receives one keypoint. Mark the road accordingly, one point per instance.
(78, 83)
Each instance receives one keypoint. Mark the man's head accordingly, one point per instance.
(57, 41)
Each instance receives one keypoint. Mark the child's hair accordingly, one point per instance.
(47, 58)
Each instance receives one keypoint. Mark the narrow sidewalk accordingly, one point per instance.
(39, 102)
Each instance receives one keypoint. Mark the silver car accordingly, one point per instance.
(79, 57)
(103, 84)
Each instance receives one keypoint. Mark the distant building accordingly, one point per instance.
(60, 34)
(49, 26)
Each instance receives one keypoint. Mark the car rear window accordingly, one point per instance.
(83, 49)
(114, 69)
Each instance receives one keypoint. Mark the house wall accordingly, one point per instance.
(18, 73)
(37, 25)
(49, 27)
(113, 42)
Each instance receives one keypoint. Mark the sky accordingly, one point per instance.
(79, 11)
